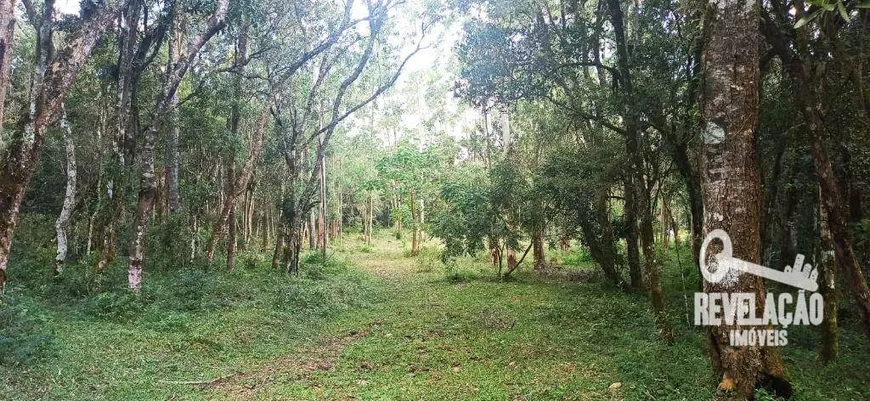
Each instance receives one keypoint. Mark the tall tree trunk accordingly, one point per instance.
(63, 221)
(231, 218)
(194, 237)
(631, 236)
(312, 231)
(7, 42)
(147, 197)
(322, 229)
(540, 260)
(652, 269)
(730, 177)
(171, 171)
(172, 137)
(415, 244)
(825, 263)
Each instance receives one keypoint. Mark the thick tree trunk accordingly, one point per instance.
(147, 197)
(63, 221)
(279, 249)
(730, 177)
(601, 244)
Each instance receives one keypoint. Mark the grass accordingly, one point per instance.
(391, 327)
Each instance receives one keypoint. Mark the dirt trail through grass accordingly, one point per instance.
(434, 338)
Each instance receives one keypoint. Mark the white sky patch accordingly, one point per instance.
(67, 6)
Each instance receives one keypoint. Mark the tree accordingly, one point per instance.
(730, 178)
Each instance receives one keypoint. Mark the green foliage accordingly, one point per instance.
(467, 215)
(428, 260)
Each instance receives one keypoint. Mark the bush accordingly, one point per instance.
(428, 259)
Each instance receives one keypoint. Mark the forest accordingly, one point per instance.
(434, 200)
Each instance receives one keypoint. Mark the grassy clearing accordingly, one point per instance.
(391, 328)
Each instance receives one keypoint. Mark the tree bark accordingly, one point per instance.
(825, 263)
(730, 177)
(7, 42)
(322, 229)
(415, 241)
(631, 236)
(63, 221)
(540, 260)
(231, 218)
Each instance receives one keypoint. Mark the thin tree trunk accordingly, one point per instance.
(825, 263)
(631, 238)
(63, 221)
(538, 249)
(415, 245)
(172, 160)
(312, 230)
(730, 178)
(633, 138)
(7, 42)
(194, 238)
(322, 233)
(231, 219)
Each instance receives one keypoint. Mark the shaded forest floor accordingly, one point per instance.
(374, 324)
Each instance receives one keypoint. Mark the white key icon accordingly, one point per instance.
(798, 275)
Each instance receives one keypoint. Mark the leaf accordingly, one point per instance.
(807, 18)
(843, 13)
(863, 4)
(828, 6)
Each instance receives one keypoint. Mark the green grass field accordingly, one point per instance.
(374, 324)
